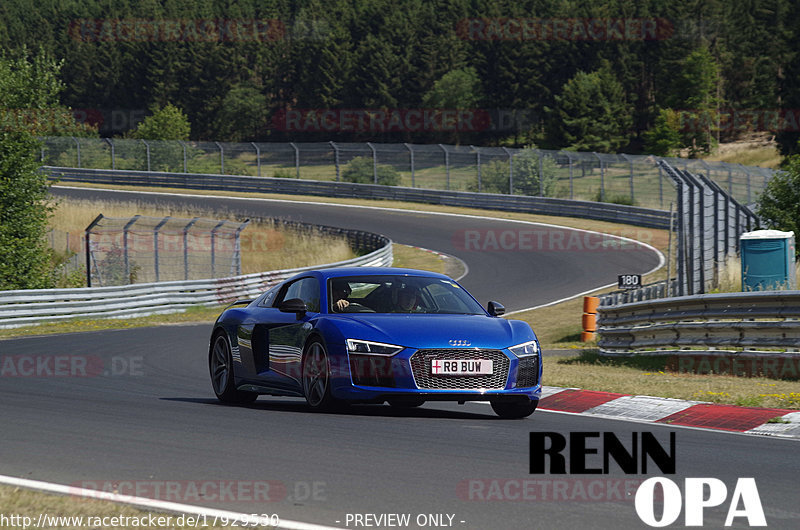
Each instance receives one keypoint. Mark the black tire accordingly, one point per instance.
(220, 367)
(317, 377)
(514, 410)
(406, 403)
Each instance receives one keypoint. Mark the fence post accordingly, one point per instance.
(237, 249)
(749, 191)
(258, 157)
(602, 178)
(147, 148)
(510, 171)
(335, 158)
(411, 157)
(478, 164)
(446, 165)
(125, 247)
(630, 166)
(660, 185)
(113, 158)
(571, 189)
(78, 145)
(297, 159)
(87, 234)
(186, 247)
(374, 163)
(221, 158)
(155, 243)
(213, 254)
(183, 145)
(540, 169)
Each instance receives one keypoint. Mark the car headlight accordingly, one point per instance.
(367, 347)
(525, 349)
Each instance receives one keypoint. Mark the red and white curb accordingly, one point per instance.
(731, 418)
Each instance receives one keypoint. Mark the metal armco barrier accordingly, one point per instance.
(25, 307)
(634, 215)
(745, 323)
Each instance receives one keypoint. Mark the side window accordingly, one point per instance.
(269, 298)
(307, 290)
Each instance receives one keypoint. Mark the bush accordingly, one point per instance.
(361, 170)
(527, 181)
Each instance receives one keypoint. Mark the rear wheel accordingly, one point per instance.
(514, 410)
(317, 377)
(220, 365)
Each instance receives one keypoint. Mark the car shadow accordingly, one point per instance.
(386, 411)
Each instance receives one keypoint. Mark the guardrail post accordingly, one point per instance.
(221, 158)
(446, 165)
(186, 247)
(78, 145)
(113, 158)
(155, 243)
(127, 227)
(336, 159)
(411, 160)
(147, 149)
(374, 163)
(258, 157)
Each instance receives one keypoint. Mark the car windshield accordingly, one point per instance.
(399, 294)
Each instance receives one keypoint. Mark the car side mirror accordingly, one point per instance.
(293, 305)
(496, 309)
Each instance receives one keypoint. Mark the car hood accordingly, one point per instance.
(436, 331)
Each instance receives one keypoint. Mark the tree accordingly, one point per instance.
(166, 123)
(779, 204)
(696, 92)
(664, 138)
(457, 89)
(591, 114)
(24, 211)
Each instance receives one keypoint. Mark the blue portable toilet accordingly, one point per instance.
(767, 260)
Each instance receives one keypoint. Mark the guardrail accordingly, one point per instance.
(714, 323)
(24, 307)
(618, 213)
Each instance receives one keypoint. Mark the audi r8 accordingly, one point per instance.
(374, 335)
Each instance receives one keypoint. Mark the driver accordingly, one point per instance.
(407, 299)
(340, 290)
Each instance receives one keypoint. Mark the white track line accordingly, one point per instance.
(143, 502)
(661, 259)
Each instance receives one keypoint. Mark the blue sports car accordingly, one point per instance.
(374, 335)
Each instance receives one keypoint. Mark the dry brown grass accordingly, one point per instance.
(265, 245)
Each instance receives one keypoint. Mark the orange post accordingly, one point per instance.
(590, 304)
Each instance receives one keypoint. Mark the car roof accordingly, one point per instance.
(339, 272)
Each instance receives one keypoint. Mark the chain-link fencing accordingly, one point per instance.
(622, 179)
(140, 249)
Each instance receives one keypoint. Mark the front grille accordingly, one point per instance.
(528, 372)
(372, 370)
(421, 369)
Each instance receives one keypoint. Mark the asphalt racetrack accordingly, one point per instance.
(142, 415)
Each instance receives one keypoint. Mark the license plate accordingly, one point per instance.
(461, 367)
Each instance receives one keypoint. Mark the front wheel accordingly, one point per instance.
(220, 364)
(317, 377)
(514, 410)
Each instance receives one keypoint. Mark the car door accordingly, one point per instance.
(276, 339)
